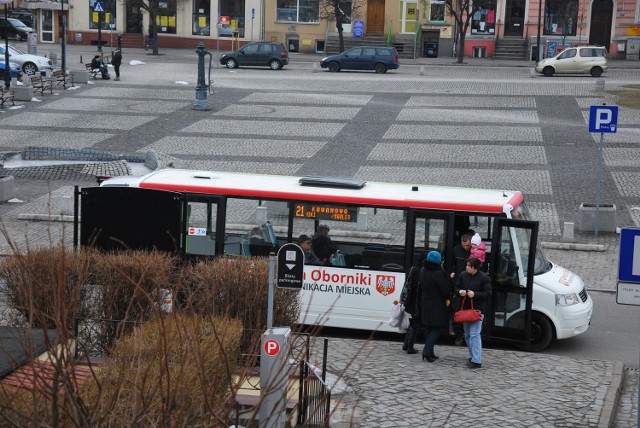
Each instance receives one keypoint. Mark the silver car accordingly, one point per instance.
(575, 60)
(30, 64)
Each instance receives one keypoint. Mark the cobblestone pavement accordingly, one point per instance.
(486, 124)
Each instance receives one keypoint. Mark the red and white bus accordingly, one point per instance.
(380, 229)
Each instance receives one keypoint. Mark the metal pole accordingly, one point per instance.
(7, 66)
(99, 31)
(599, 181)
(272, 269)
(538, 38)
(201, 102)
(63, 43)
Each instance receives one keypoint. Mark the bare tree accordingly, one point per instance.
(462, 11)
(340, 12)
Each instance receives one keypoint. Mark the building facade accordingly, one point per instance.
(299, 24)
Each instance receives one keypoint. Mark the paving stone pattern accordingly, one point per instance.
(432, 123)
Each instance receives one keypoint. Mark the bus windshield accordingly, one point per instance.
(542, 265)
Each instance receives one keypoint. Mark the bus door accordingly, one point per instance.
(201, 226)
(511, 270)
(118, 218)
(430, 230)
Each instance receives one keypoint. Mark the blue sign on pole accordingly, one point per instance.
(98, 6)
(358, 29)
(603, 119)
(629, 267)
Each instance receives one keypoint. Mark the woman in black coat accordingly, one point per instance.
(433, 291)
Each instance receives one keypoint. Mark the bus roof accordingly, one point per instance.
(289, 187)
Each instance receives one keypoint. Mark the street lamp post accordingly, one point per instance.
(63, 43)
(7, 67)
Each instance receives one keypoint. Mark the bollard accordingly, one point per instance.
(600, 86)
(422, 70)
(201, 102)
(568, 234)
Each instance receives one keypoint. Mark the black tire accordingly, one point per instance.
(380, 68)
(334, 67)
(275, 64)
(231, 63)
(596, 72)
(542, 332)
(548, 71)
(29, 68)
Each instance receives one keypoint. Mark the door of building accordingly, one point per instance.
(409, 16)
(601, 16)
(46, 27)
(134, 19)
(375, 17)
(514, 18)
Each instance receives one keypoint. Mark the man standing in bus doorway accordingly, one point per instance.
(475, 285)
(461, 253)
(323, 246)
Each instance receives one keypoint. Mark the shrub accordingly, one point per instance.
(237, 287)
(46, 285)
(172, 371)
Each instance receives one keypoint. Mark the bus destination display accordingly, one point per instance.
(325, 212)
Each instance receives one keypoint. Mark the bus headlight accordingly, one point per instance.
(567, 299)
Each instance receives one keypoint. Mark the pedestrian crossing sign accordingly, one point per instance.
(98, 6)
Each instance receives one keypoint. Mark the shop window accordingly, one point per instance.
(201, 21)
(561, 17)
(166, 17)
(484, 21)
(106, 17)
(231, 18)
(299, 10)
(436, 11)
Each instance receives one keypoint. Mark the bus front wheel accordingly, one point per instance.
(541, 333)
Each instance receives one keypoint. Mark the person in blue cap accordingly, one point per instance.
(434, 288)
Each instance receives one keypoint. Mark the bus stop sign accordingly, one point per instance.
(290, 266)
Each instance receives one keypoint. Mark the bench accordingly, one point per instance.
(6, 95)
(62, 78)
(93, 72)
(40, 84)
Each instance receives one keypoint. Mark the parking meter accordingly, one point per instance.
(201, 102)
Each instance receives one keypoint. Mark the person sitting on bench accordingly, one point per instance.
(96, 63)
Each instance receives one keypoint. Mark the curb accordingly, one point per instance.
(573, 246)
(608, 415)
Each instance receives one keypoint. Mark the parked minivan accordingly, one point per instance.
(575, 60)
(379, 59)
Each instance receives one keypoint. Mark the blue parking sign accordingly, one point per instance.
(603, 119)
(629, 267)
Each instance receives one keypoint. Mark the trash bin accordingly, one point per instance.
(430, 50)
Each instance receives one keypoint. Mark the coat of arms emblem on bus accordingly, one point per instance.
(385, 284)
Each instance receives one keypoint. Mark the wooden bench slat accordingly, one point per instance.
(5, 96)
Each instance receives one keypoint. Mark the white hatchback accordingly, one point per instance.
(575, 60)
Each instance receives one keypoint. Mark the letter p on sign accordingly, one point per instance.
(271, 347)
(603, 119)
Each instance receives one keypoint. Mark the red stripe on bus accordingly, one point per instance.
(391, 203)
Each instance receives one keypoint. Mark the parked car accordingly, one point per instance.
(375, 58)
(30, 64)
(14, 70)
(575, 60)
(271, 54)
(13, 28)
(27, 18)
